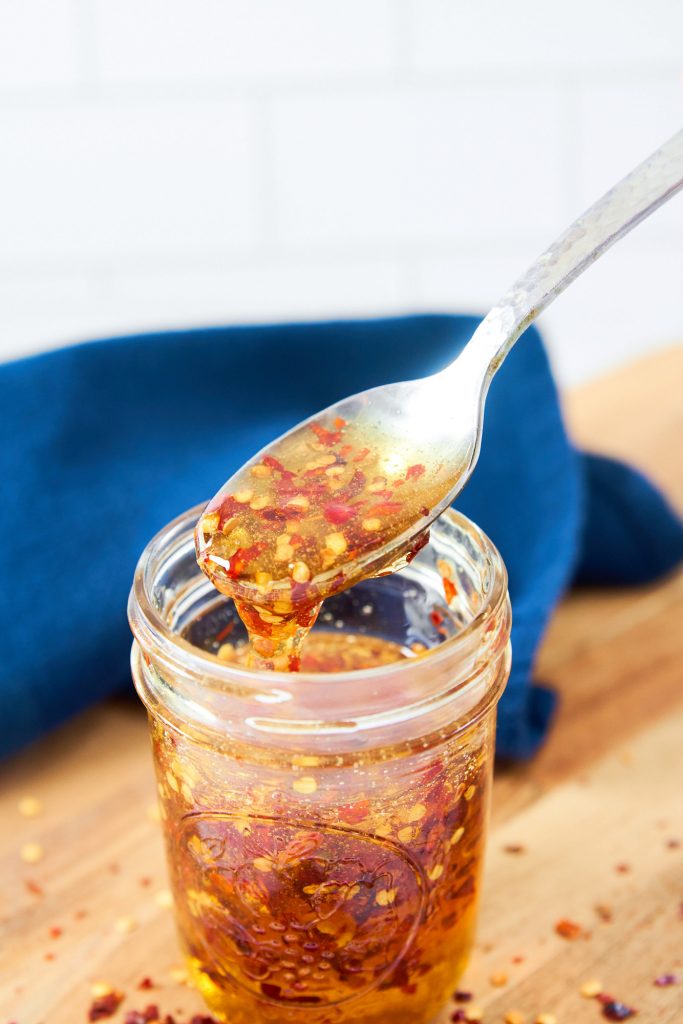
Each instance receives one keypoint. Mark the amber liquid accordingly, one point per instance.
(315, 890)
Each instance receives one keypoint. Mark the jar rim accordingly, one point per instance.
(154, 633)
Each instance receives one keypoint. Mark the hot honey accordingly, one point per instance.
(309, 889)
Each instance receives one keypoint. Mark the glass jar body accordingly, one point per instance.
(330, 872)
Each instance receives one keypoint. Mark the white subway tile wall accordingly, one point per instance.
(168, 164)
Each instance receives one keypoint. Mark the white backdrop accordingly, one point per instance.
(179, 162)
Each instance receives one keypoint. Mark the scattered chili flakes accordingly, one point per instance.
(150, 1013)
(604, 911)
(514, 1017)
(105, 1006)
(98, 989)
(80, 914)
(514, 848)
(614, 1010)
(33, 887)
(125, 925)
(31, 853)
(568, 929)
(461, 996)
(29, 807)
(622, 869)
(518, 959)
(145, 882)
(664, 980)
(146, 983)
(164, 899)
(673, 844)
(56, 932)
(458, 1016)
(178, 975)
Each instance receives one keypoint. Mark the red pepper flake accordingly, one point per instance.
(622, 869)
(459, 1015)
(352, 814)
(273, 515)
(105, 1006)
(614, 1010)
(604, 911)
(354, 486)
(146, 881)
(146, 983)
(361, 454)
(384, 508)
(514, 848)
(673, 844)
(242, 557)
(436, 618)
(462, 997)
(518, 959)
(340, 423)
(415, 472)
(273, 463)
(568, 929)
(49, 956)
(664, 980)
(338, 513)
(225, 632)
(448, 589)
(424, 510)
(80, 914)
(33, 887)
(150, 1013)
(326, 437)
(56, 932)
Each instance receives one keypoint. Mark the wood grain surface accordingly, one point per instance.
(598, 813)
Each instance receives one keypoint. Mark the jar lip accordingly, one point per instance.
(154, 634)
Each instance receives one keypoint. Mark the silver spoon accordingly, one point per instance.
(435, 422)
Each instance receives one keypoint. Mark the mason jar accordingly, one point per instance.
(325, 829)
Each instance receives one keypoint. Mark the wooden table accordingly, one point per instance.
(599, 812)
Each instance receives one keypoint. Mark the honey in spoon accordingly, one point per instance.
(324, 506)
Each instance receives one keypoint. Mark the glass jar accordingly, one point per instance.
(325, 831)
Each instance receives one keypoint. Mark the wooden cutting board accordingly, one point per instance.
(597, 818)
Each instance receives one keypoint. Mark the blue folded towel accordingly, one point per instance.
(103, 443)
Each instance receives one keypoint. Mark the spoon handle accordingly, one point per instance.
(604, 223)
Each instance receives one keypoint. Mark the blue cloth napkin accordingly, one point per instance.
(103, 443)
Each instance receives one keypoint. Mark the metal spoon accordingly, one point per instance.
(437, 421)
